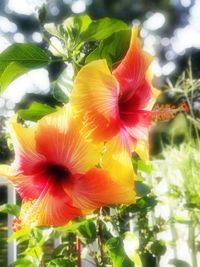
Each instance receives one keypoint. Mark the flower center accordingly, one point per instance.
(56, 172)
(125, 108)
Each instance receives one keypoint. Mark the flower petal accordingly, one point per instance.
(29, 187)
(26, 186)
(97, 188)
(132, 69)
(50, 209)
(117, 157)
(142, 149)
(95, 99)
(26, 156)
(129, 103)
(138, 124)
(58, 137)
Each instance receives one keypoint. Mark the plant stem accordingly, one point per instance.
(192, 245)
(78, 250)
(100, 238)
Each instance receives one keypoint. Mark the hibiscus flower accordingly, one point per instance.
(115, 106)
(54, 172)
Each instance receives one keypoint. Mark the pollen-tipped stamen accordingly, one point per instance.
(168, 112)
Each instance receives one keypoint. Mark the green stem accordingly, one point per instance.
(192, 245)
(100, 238)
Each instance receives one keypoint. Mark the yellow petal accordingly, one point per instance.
(59, 138)
(97, 188)
(95, 99)
(142, 149)
(23, 139)
(117, 158)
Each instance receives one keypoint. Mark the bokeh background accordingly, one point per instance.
(169, 28)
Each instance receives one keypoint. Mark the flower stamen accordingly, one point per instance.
(168, 112)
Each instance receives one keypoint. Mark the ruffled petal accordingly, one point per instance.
(23, 139)
(28, 187)
(58, 137)
(138, 124)
(49, 209)
(142, 149)
(116, 158)
(95, 99)
(131, 102)
(97, 188)
(132, 69)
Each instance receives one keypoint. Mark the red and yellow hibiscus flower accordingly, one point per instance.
(54, 172)
(116, 106)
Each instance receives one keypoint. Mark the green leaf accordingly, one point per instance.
(158, 248)
(77, 23)
(18, 59)
(36, 111)
(61, 262)
(141, 189)
(142, 204)
(114, 246)
(143, 166)
(88, 231)
(113, 48)
(71, 227)
(59, 250)
(25, 232)
(12, 209)
(146, 202)
(102, 28)
(23, 262)
(179, 263)
(131, 244)
(71, 29)
(62, 87)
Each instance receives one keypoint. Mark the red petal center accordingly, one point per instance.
(56, 173)
(126, 107)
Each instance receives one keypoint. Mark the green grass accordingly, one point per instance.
(3, 241)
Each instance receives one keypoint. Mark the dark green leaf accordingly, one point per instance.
(141, 189)
(17, 59)
(72, 227)
(158, 248)
(61, 262)
(142, 204)
(22, 263)
(179, 263)
(88, 231)
(58, 94)
(113, 48)
(12, 209)
(59, 250)
(146, 202)
(102, 29)
(62, 87)
(36, 234)
(117, 254)
(42, 13)
(36, 111)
